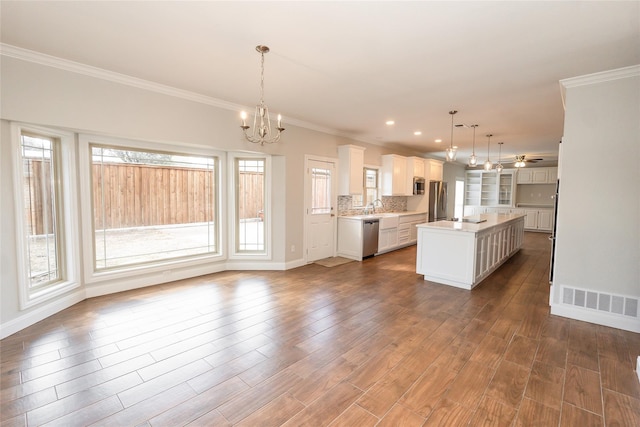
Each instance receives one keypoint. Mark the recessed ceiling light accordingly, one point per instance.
(438, 140)
(417, 133)
(390, 122)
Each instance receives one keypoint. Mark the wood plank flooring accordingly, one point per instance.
(361, 344)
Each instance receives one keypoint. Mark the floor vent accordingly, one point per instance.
(615, 304)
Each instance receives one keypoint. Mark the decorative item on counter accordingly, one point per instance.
(262, 132)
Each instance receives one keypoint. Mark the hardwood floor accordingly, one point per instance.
(360, 344)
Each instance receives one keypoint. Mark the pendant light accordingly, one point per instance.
(262, 132)
(473, 160)
(488, 165)
(499, 166)
(452, 150)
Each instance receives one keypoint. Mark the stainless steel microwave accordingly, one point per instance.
(418, 185)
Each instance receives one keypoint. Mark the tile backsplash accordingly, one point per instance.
(390, 204)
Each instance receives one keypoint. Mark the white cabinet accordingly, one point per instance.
(531, 219)
(536, 219)
(350, 170)
(524, 176)
(350, 238)
(394, 176)
(489, 188)
(545, 220)
(407, 230)
(415, 167)
(433, 170)
(388, 233)
(537, 175)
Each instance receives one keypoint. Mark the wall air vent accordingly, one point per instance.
(614, 304)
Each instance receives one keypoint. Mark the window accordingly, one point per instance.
(44, 242)
(151, 206)
(250, 205)
(320, 191)
(46, 218)
(458, 210)
(370, 189)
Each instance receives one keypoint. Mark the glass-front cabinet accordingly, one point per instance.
(489, 188)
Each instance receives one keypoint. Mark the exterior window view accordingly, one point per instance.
(250, 205)
(151, 206)
(41, 209)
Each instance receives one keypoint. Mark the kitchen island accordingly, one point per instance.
(463, 253)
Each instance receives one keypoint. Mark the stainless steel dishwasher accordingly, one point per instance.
(370, 237)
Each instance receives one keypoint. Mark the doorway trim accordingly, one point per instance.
(307, 202)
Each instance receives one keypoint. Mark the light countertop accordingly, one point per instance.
(382, 215)
(488, 221)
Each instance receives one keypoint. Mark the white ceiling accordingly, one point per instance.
(350, 66)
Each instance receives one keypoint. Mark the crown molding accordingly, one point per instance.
(11, 51)
(601, 77)
(604, 76)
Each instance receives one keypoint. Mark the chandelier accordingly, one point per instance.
(261, 122)
(488, 165)
(519, 162)
(473, 160)
(452, 150)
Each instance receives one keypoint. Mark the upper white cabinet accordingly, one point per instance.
(350, 170)
(537, 176)
(394, 176)
(415, 167)
(433, 170)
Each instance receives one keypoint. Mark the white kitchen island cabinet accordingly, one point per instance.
(462, 254)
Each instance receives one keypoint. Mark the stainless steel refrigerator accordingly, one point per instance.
(437, 201)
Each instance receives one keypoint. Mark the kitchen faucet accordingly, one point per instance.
(373, 205)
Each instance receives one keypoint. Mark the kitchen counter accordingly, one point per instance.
(382, 215)
(462, 254)
(473, 223)
(395, 230)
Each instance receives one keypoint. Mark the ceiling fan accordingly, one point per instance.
(521, 160)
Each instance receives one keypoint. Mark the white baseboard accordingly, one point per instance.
(150, 279)
(597, 317)
(47, 309)
(638, 368)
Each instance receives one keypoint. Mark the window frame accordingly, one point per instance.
(91, 275)
(66, 191)
(362, 203)
(234, 253)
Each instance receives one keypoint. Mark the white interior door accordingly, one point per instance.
(320, 193)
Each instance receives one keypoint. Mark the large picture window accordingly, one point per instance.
(151, 206)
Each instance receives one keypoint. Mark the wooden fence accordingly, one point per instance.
(129, 195)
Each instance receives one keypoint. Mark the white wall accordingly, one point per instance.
(598, 224)
(39, 94)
